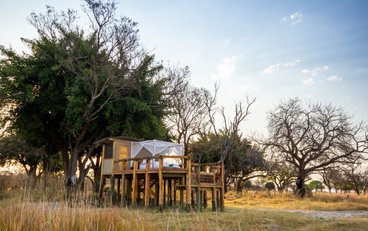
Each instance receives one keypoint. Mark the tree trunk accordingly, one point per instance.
(32, 175)
(238, 186)
(96, 178)
(300, 186)
(71, 176)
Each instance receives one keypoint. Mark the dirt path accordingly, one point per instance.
(330, 214)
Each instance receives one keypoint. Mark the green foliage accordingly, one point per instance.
(315, 185)
(240, 163)
(270, 186)
(31, 158)
(247, 184)
(78, 86)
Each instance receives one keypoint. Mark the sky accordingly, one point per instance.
(272, 50)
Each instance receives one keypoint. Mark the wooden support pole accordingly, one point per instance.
(169, 192)
(134, 183)
(198, 192)
(123, 188)
(198, 199)
(182, 192)
(189, 182)
(161, 183)
(174, 190)
(165, 192)
(118, 188)
(205, 205)
(157, 191)
(147, 187)
(222, 192)
(214, 206)
(129, 191)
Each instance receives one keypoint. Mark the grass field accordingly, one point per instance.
(242, 213)
(319, 201)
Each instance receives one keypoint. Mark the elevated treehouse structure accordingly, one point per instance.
(156, 173)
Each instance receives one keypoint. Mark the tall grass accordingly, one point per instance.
(286, 200)
(45, 208)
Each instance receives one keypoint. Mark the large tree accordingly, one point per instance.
(187, 114)
(313, 136)
(79, 85)
(35, 161)
(244, 163)
(281, 173)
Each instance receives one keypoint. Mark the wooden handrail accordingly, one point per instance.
(150, 158)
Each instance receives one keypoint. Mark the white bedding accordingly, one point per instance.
(155, 164)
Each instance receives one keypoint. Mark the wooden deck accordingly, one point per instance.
(185, 186)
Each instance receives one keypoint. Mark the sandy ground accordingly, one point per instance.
(330, 214)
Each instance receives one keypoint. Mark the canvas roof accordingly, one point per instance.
(150, 148)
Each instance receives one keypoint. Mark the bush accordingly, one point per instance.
(270, 186)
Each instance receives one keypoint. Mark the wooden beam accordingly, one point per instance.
(214, 204)
(147, 187)
(189, 182)
(123, 192)
(134, 183)
(222, 192)
(161, 183)
(169, 192)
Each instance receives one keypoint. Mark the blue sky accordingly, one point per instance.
(272, 50)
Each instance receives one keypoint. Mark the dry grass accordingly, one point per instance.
(319, 201)
(58, 216)
(46, 210)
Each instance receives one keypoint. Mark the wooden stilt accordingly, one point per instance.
(134, 183)
(161, 184)
(198, 199)
(123, 192)
(205, 205)
(157, 191)
(165, 192)
(118, 188)
(214, 206)
(189, 182)
(182, 193)
(112, 189)
(147, 187)
(169, 192)
(222, 193)
(174, 190)
(129, 191)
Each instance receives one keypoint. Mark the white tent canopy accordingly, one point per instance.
(151, 148)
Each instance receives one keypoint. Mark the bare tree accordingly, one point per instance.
(355, 174)
(187, 113)
(313, 137)
(329, 175)
(281, 173)
(230, 136)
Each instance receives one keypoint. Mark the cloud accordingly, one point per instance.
(334, 78)
(315, 71)
(226, 69)
(309, 81)
(318, 74)
(275, 67)
(293, 19)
